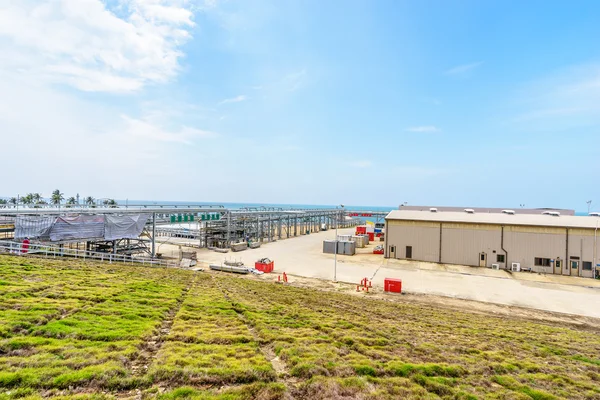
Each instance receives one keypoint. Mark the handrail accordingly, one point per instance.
(52, 251)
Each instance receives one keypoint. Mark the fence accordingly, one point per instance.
(53, 251)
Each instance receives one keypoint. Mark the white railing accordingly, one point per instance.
(54, 251)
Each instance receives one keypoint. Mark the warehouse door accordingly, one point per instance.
(574, 267)
(482, 259)
(392, 251)
(558, 267)
(408, 251)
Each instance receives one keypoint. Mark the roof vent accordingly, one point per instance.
(469, 211)
(433, 209)
(509, 212)
(594, 214)
(552, 213)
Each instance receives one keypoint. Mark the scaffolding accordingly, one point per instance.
(132, 230)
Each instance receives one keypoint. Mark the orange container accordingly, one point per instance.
(392, 285)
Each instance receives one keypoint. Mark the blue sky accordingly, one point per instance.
(317, 102)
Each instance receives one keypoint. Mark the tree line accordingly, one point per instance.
(57, 198)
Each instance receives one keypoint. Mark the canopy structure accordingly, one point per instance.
(78, 227)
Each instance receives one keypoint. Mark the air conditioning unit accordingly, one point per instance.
(495, 266)
(515, 267)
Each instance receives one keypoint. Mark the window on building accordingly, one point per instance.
(500, 258)
(587, 266)
(542, 262)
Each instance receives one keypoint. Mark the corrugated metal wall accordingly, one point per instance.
(525, 245)
(582, 246)
(423, 239)
(462, 244)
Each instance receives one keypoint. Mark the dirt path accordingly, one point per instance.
(266, 350)
(151, 345)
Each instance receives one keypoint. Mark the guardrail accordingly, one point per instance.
(54, 251)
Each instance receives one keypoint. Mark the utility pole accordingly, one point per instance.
(589, 204)
(336, 246)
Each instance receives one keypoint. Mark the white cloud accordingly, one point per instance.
(143, 128)
(91, 47)
(463, 69)
(235, 99)
(565, 99)
(423, 129)
(361, 164)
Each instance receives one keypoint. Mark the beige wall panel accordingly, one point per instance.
(483, 227)
(535, 229)
(424, 241)
(463, 246)
(582, 232)
(583, 247)
(524, 247)
(422, 224)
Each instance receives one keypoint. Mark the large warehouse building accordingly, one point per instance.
(551, 244)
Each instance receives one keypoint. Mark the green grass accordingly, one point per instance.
(89, 331)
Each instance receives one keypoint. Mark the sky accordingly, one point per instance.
(373, 102)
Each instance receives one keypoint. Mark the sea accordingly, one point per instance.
(270, 205)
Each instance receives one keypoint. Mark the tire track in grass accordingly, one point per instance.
(267, 352)
(152, 345)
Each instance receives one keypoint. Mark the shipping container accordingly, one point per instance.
(359, 240)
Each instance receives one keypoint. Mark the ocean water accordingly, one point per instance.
(255, 205)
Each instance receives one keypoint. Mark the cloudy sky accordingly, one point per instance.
(473, 103)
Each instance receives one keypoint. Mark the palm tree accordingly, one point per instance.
(2, 201)
(27, 199)
(71, 201)
(90, 201)
(13, 201)
(57, 197)
(110, 203)
(37, 197)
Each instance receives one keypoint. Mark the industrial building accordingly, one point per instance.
(546, 243)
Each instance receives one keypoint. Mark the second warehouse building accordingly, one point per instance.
(566, 245)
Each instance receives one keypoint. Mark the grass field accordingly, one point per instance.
(81, 330)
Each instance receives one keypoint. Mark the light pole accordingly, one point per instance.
(337, 218)
(595, 248)
(336, 247)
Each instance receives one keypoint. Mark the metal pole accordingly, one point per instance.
(228, 228)
(153, 235)
(336, 250)
(595, 249)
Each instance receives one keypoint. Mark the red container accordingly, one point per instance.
(392, 285)
(371, 236)
(361, 230)
(266, 268)
(378, 251)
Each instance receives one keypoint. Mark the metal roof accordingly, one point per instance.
(564, 221)
(486, 209)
